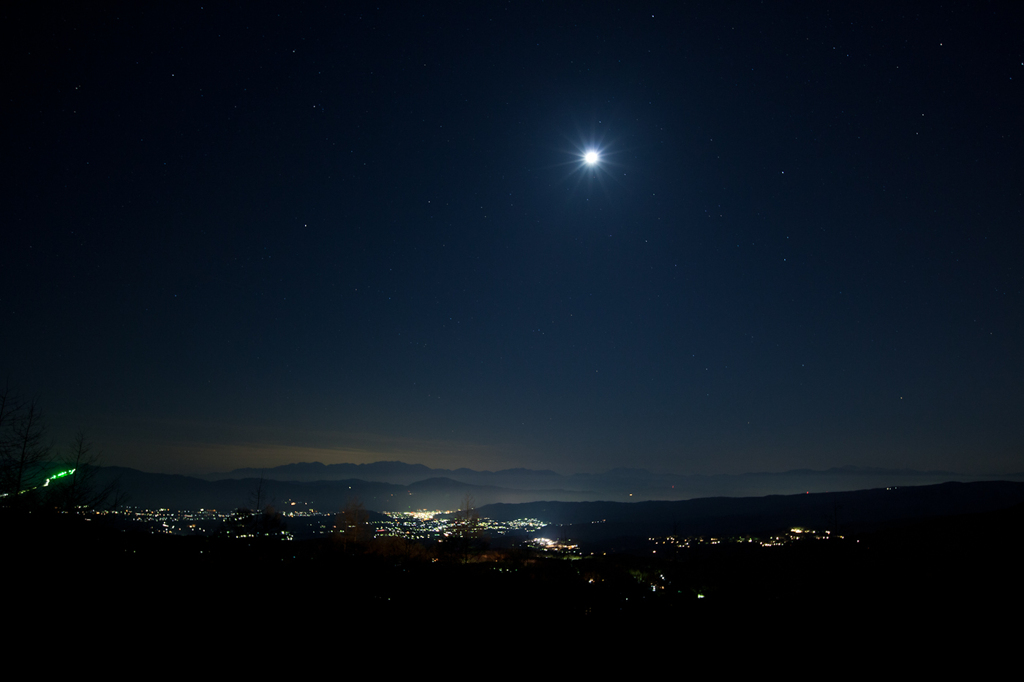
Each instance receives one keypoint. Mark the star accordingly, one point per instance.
(591, 158)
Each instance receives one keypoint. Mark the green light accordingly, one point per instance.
(60, 474)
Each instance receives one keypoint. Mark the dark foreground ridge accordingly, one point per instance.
(856, 511)
(920, 557)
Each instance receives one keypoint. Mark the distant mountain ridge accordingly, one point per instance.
(626, 484)
(593, 517)
(158, 491)
(396, 472)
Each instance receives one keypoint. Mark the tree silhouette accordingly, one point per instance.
(258, 496)
(78, 489)
(246, 523)
(30, 476)
(352, 525)
(466, 535)
(259, 521)
(11, 407)
(23, 451)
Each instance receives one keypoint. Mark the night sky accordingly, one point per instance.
(252, 234)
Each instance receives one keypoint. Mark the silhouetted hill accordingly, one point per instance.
(590, 521)
(847, 512)
(170, 491)
(621, 484)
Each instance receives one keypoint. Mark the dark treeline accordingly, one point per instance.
(921, 548)
(954, 561)
(36, 474)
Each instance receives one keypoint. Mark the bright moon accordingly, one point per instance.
(590, 158)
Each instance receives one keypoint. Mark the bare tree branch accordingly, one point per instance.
(24, 456)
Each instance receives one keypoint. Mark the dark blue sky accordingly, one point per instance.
(262, 233)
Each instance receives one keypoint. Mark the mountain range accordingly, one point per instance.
(396, 486)
(622, 484)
